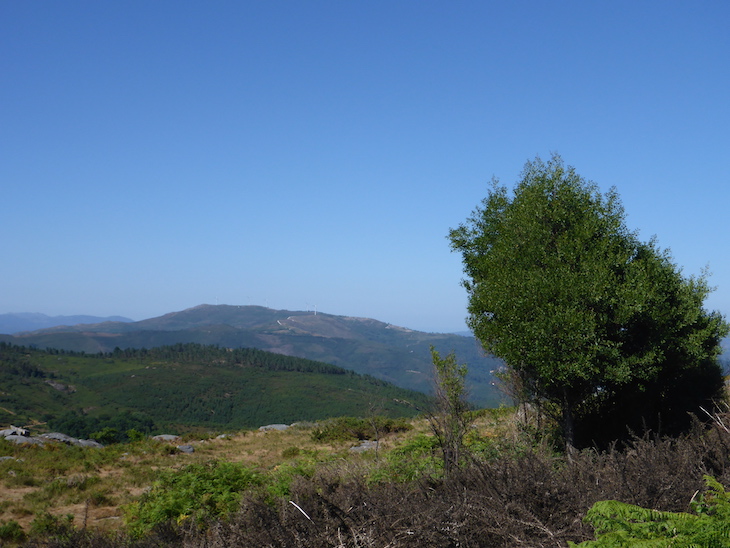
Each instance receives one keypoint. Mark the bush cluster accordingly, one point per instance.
(353, 429)
(620, 524)
(198, 492)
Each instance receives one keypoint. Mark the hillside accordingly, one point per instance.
(394, 354)
(185, 386)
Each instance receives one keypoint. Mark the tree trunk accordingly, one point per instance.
(568, 426)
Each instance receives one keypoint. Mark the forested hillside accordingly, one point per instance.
(391, 353)
(184, 386)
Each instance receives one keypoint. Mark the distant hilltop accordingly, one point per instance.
(31, 321)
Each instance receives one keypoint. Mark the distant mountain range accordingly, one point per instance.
(29, 321)
(367, 346)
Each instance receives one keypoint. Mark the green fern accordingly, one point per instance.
(619, 525)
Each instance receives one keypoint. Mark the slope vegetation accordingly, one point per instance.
(185, 386)
(394, 354)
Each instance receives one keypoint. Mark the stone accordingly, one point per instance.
(14, 431)
(68, 440)
(67, 388)
(24, 440)
(186, 448)
(270, 427)
(365, 445)
(88, 443)
(57, 436)
(166, 437)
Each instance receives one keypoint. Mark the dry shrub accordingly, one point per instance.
(535, 499)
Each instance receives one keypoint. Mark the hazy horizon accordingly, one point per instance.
(465, 329)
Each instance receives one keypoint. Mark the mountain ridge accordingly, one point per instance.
(392, 353)
(19, 322)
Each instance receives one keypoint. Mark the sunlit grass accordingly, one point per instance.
(93, 485)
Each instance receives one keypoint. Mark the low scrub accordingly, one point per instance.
(198, 492)
(528, 495)
(11, 531)
(620, 524)
(414, 460)
(536, 499)
(353, 429)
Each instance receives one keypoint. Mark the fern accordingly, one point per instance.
(619, 525)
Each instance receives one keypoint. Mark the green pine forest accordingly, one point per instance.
(184, 387)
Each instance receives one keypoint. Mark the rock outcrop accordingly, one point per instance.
(21, 436)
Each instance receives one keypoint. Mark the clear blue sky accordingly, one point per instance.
(159, 155)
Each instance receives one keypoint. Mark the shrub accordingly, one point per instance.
(11, 531)
(280, 479)
(409, 462)
(451, 418)
(350, 428)
(620, 524)
(106, 436)
(46, 524)
(198, 492)
(135, 435)
(290, 452)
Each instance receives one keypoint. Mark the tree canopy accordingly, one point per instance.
(591, 322)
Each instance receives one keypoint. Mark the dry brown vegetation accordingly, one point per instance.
(513, 492)
(92, 485)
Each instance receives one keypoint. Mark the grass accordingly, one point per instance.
(512, 490)
(93, 485)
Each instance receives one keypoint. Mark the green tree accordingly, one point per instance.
(581, 311)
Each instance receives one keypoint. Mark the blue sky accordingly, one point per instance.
(159, 155)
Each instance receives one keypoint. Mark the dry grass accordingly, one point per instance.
(520, 495)
(93, 484)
